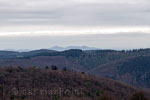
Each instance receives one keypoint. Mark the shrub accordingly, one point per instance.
(46, 67)
(141, 95)
(19, 69)
(22, 96)
(99, 93)
(53, 67)
(12, 97)
(55, 97)
(1, 90)
(64, 69)
(106, 97)
(10, 69)
(1, 87)
(89, 94)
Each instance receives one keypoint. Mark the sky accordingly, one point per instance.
(107, 24)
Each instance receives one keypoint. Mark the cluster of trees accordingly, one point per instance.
(135, 64)
(140, 95)
(54, 67)
(92, 59)
(19, 68)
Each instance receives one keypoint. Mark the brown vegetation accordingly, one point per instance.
(45, 84)
(140, 95)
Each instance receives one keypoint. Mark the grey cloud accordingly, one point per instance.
(35, 14)
(79, 14)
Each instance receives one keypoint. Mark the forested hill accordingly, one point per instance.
(131, 66)
(17, 83)
(134, 71)
(89, 59)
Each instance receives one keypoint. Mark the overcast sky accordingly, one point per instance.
(47, 23)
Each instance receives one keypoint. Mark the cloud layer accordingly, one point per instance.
(75, 13)
(53, 22)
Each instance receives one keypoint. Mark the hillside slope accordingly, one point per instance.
(134, 70)
(108, 63)
(19, 83)
(42, 61)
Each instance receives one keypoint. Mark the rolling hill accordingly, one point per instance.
(42, 61)
(134, 71)
(131, 66)
(28, 83)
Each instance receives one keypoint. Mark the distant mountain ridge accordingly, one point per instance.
(58, 48)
